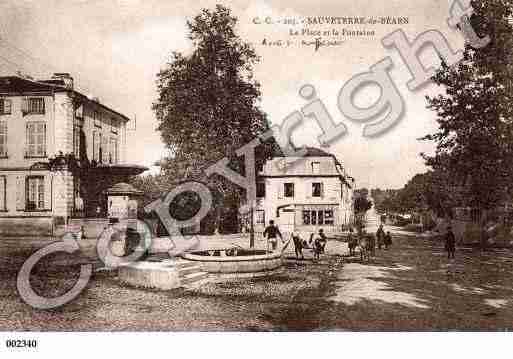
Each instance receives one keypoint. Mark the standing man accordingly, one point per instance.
(371, 242)
(450, 243)
(352, 241)
(380, 235)
(322, 239)
(388, 240)
(298, 245)
(272, 233)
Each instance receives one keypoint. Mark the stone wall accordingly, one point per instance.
(26, 227)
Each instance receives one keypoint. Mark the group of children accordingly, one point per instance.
(368, 241)
(316, 242)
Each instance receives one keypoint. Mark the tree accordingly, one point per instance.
(207, 105)
(362, 205)
(474, 141)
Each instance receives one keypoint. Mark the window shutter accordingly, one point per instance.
(322, 190)
(309, 190)
(3, 193)
(7, 106)
(20, 193)
(25, 106)
(281, 190)
(44, 139)
(48, 191)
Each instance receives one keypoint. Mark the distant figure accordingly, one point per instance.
(363, 242)
(322, 240)
(371, 242)
(388, 240)
(450, 243)
(272, 232)
(298, 245)
(380, 236)
(352, 241)
(317, 247)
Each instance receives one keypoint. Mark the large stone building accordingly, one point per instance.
(59, 150)
(304, 193)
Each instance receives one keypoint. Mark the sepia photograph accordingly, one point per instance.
(256, 177)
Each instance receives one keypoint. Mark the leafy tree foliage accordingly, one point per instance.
(207, 108)
(361, 203)
(474, 140)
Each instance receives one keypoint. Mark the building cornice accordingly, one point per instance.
(302, 176)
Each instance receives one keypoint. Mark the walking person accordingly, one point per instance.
(317, 248)
(272, 232)
(363, 242)
(298, 245)
(352, 241)
(380, 235)
(322, 240)
(388, 240)
(450, 243)
(371, 241)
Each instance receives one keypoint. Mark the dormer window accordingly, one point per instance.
(316, 168)
(5, 106)
(33, 106)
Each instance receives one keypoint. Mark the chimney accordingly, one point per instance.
(65, 77)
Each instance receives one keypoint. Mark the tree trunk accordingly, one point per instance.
(482, 230)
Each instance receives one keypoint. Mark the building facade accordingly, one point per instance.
(44, 126)
(304, 193)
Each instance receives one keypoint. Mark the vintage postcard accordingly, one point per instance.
(254, 166)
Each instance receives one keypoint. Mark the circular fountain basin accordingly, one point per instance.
(237, 262)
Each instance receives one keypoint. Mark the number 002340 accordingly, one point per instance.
(21, 343)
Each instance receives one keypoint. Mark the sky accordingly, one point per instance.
(115, 48)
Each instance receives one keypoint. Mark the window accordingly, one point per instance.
(5, 106)
(328, 217)
(318, 217)
(306, 217)
(97, 120)
(76, 141)
(35, 193)
(96, 146)
(113, 126)
(289, 189)
(33, 105)
(104, 157)
(3, 193)
(260, 217)
(113, 150)
(316, 189)
(260, 189)
(313, 217)
(36, 139)
(3, 138)
(316, 166)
